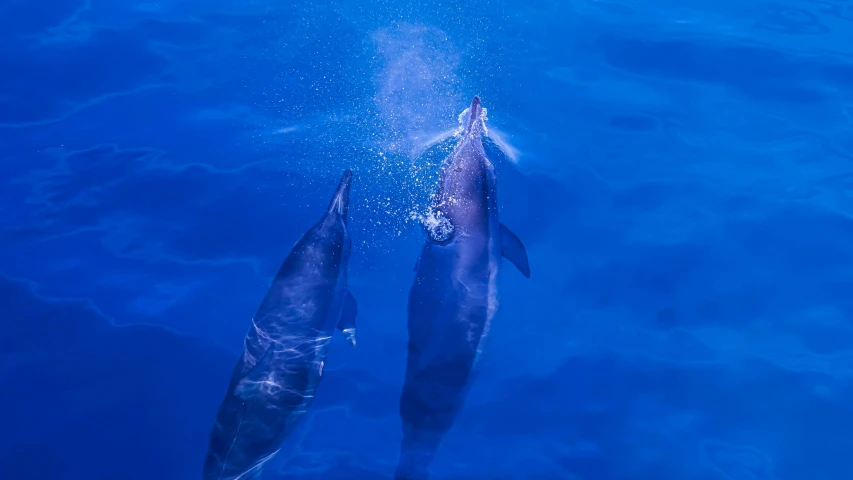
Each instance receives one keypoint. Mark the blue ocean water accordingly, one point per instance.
(680, 173)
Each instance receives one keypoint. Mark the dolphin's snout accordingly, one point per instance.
(475, 103)
(340, 202)
(474, 113)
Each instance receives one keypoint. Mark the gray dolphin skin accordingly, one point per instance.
(453, 298)
(274, 381)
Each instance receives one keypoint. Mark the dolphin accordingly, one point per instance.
(454, 296)
(274, 381)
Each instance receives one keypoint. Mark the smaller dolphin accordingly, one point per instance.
(274, 380)
(453, 298)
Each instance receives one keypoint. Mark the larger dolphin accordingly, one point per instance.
(453, 298)
(274, 380)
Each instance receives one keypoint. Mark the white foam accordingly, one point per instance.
(500, 140)
(466, 114)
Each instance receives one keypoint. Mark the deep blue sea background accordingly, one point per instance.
(680, 172)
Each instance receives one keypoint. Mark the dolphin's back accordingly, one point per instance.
(274, 380)
(450, 307)
(453, 298)
(447, 314)
(303, 303)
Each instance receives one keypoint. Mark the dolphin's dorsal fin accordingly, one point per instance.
(348, 314)
(513, 250)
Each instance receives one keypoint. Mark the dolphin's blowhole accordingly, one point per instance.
(439, 229)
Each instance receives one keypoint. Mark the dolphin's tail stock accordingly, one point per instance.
(416, 453)
(413, 465)
(411, 468)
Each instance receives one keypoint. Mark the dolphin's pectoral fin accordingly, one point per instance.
(347, 322)
(513, 250)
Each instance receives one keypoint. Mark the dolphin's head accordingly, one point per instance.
(328, 243)
(466, 185)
